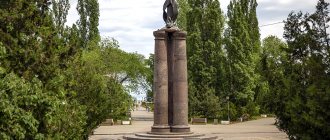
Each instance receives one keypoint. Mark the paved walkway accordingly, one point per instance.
(262, 129)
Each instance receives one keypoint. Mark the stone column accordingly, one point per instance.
(170, 64)
(180, 84)
(160, 84)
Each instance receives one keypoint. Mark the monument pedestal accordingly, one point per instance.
(170, 89)
(170, 136)
(170, 82)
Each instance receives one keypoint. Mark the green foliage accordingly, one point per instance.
(50, 87)
(205, 23)
(272, 70)
(60, 10)
(30, 50)
(243, 47)
(203, 105)
(34, 55)
(150, 77)
(88, 22)
(130, 69)
(303, 106)
(183, 10)
(103, 70)
(29, 112)
(222, 62)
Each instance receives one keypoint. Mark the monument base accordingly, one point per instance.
(160, 129)
(170, 136)
(180, 129)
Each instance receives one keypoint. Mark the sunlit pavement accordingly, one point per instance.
(263, 129)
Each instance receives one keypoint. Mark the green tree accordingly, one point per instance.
(31, 40)
(150, 77)
(31, 60)
(88, 23)
(60, 10)
(304, 109)
(30, 112)
(205, 25)
(130, 69)
(182, 17)
(111, 74)
(102, 95)
(272, 71)
(50, 87)
(242, 46)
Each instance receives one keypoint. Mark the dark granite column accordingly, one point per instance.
(160, 84)
(180, 84)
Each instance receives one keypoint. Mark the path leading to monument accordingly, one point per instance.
(262, 129)
(141, 114)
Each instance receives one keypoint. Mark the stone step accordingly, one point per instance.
(148, 136)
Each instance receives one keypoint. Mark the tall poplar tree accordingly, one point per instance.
(182, 17)
(205, 25)
(243, 48)
(60, 10)
(88, 23)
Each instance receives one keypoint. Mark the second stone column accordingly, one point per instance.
(180, 84)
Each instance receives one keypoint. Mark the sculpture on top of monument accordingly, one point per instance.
(170, 13)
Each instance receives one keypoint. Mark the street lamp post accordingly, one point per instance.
(228, 107)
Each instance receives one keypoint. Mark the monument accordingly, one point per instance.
(170, 82)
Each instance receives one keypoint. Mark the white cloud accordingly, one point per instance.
(285, 2)
(276, 30)
(73, 14)
(271, 11)
(224, 4)
(131, 22)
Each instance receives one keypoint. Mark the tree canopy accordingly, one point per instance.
(303, 110)
(60, 82)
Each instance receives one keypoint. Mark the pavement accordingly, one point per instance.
(262, 129)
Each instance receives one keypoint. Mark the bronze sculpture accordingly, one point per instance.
(170, 12)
